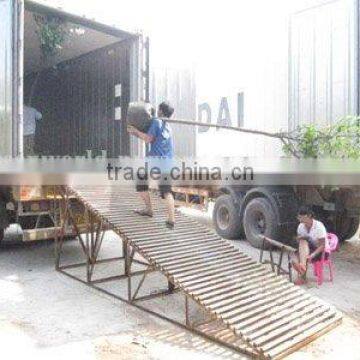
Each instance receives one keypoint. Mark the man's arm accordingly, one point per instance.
(143, 136)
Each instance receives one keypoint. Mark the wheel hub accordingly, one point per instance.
(260, 223)
(223, 217)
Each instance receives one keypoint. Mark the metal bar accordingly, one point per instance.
(92, 239)
(77, 231)
(272, 260)
(96, 247)
(140, 262)
(124, 248)
(131, 257)
(155, 295)
(98, 262)
(141, 282)
(117, 277)
(128, 272)
(87, 245)
(280, 261)
(203, 322)
(171, 287)
(60, 240)
(187, 316)
(289, 266)
(262, 250)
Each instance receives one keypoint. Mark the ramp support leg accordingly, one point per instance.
(187, 317)
(87, 244)
(289, 267)
(125, 250)
(128, 268)
(171, 287)
(60, 235)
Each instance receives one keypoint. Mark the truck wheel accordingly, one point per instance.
(1, 235)
(346, 227)
(260, 219)
(226, 218)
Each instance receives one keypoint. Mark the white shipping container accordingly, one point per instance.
(270, 70)
(323, 63)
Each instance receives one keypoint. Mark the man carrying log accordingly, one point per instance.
(159, 145)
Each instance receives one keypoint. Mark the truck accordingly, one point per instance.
(317, 83)
(271, 211)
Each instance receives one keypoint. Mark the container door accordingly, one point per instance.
(18, 75)
(10, 81)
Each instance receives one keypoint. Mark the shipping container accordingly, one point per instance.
(323, 63)
(82, 92)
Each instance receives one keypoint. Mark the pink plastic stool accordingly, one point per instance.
(318, 266)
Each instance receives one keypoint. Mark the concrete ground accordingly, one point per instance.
(46, 315)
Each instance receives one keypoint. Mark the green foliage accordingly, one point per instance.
(52, 32)
(338, 141)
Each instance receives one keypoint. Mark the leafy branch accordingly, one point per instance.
(339, 141)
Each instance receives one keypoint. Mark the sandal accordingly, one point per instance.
(300, 282)
(144, 212)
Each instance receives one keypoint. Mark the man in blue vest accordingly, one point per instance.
(159, 150)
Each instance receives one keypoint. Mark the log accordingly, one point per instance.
(139, 115)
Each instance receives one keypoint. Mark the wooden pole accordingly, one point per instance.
(279, 135)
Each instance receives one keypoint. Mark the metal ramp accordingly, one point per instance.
(248, 307)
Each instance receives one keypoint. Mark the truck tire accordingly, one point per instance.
(346, 227)
(260, 219)
(226, 218)
(1, 235)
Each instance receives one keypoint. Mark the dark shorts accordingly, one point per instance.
(312, 248)
(163, 188)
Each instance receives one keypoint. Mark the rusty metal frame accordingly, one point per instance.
(276, 267)
(94, 236)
